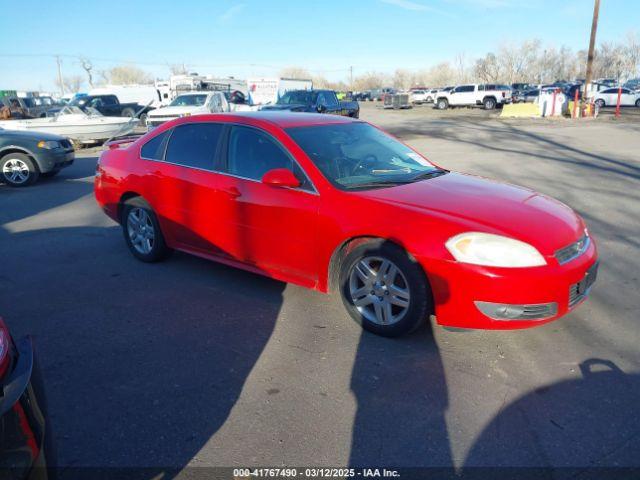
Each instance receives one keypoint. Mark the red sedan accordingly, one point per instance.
(333, 203)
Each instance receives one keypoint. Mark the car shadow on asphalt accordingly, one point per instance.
(47, 193)
(139, 385)
(585, 428)
(401, 396)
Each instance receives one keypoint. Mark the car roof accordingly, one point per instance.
(280, 119)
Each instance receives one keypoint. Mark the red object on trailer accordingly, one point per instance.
(575, 102)
(553, 103)
(618, 101)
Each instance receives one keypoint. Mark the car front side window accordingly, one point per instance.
(252, 153)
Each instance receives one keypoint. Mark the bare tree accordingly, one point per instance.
(72, 83)
(178, 69)
(88, 67)
(295, 72)
(127, 75)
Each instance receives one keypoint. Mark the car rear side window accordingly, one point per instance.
(154, 148)
(194, 145)
(253, 153)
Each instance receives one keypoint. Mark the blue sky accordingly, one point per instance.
(258, 37)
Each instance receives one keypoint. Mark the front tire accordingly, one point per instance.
(18, 170)
(443, 104)
(638, 103)
(384, 290)
(142, 231)
(600, 103)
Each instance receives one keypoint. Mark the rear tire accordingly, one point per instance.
(489, 103)
(638, 103)
(384, 290)
(18, 170)
(142, 231)
(128, 112)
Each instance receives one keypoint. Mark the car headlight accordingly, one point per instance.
(493, 251)
(48, 144)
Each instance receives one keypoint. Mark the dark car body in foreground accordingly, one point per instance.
(26, 449)
(314, 101)
(24, 156)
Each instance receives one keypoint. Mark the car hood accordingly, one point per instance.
(166, 111)
(480, 204)
(19, 135)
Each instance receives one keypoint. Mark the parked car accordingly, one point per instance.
(194, 103)
(419, 96)
(609, 98)
(107, 105)
(488, 96)
(431, 95)
(320, 101)
(336, 204)
(527, 96)
(26, 439)
(26, 107)
(27, 155)
(378, 94)
(362, 96)
(632, 84)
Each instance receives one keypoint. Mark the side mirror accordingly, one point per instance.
(321, 108)
(280, 177)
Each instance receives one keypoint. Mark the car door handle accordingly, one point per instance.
(233, 192)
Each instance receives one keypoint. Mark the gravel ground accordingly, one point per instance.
(190, 363)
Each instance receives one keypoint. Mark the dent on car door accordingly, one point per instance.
(270, 228)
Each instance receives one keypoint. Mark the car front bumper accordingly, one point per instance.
(27, 448)
(458, 287)
(56, 159)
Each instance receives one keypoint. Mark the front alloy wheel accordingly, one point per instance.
(18, 170)
(379, 290)
(384, 289)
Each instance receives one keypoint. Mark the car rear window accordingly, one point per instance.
(194, 145)
(154, 148)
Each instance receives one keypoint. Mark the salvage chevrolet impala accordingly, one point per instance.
(336, 204)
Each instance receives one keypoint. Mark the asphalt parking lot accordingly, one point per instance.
(191, 363)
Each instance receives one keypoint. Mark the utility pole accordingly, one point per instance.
(60, 82)
(592, 44)
(351, 77)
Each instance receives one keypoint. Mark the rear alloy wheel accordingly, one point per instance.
(600, 103)
(443, 104)
(142, 231)
(384, 290)
(18, 170)
(489, 103)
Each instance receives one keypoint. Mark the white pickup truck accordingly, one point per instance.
(193, 103)
(488, 96)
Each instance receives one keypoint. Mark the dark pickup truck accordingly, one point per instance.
(107, 105)
(316, 101)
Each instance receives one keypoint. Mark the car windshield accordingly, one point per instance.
(189, 101)
(298, 97)
(360, 156)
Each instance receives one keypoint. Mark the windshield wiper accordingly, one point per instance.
(430, 174)
(382, 183)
